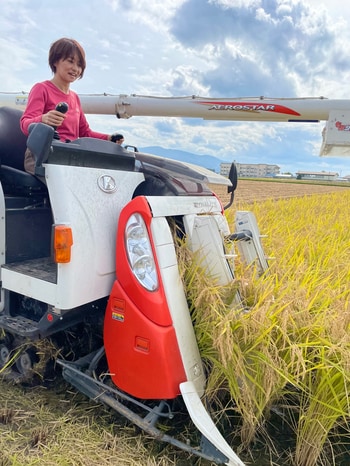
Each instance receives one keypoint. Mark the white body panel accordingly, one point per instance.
(205, 424)
(206, 239)
(177, 303)
(30, 286)
(78, 202)
(174, 205)
(336, 135)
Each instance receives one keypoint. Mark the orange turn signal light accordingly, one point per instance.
(62, 243)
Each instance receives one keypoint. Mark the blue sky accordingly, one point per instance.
(214, 48)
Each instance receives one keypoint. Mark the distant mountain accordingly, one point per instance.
(206, 161)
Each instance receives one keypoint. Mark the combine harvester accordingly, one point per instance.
(93, 254)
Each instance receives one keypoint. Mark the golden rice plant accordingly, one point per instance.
(289, 348)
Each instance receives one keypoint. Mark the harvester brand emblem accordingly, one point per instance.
(107, 184)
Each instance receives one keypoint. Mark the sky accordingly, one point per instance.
(209, 48)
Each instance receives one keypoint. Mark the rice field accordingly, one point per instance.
(278, 374)
(288, 357)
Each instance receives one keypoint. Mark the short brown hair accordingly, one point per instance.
(65, 48)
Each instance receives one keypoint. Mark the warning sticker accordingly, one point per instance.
(118, 316)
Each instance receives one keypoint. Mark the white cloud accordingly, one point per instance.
(216, 48)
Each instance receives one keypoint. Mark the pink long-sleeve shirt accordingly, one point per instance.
(45, 96)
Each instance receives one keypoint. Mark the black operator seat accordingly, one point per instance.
(13, 143)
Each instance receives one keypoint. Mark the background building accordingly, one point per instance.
(325, 176)
(251, 170)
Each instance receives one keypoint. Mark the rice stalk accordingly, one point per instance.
(285, 351)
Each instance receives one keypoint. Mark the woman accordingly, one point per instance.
(67, 62)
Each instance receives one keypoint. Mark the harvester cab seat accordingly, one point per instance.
(13, 143)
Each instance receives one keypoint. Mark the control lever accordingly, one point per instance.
(61, 107)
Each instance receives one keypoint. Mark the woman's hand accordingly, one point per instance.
(53, 118)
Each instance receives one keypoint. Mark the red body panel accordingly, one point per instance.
(140, 341)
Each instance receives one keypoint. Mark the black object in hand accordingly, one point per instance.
(61, 107)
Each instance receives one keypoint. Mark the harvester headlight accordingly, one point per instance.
(139, 251)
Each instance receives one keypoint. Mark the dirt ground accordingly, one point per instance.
(251, 191)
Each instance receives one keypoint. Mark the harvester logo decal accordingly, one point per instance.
(107, 184)
(237, 106)
(341, 126)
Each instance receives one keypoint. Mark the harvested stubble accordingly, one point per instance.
(250, 191)
(58, 427)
